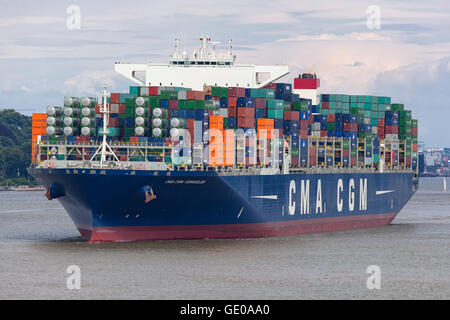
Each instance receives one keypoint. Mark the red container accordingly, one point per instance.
(245, 112)
(381, 122)
(122, 108)
(312, 160)
(153, 91)
(303, 133)
(294, 161)
(414, 132)
(114, 122)
(306, 83)
(190, 95)
(260, 103)
(325, 105)
(346, 152)
(323, 133)
(272, 86)
(312, 151)
(134, 139)
(123, 158)
(291, 116)
(304, 124)
(246, 122)
(353, 161)
(173, 104)
(199, 95)
(232, 102)
(332, 117)
(215, 98)
(415, 147)
(408, 161)
(232, 112)
(391, 130)
(236, 92)
(115, 97)
(190, 123)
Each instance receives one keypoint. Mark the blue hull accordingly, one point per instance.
(109, 205)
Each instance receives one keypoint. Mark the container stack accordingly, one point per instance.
(71, 117)
(342, 130)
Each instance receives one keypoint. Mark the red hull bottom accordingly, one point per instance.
(253, 230)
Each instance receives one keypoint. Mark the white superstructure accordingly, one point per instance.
(205, 66)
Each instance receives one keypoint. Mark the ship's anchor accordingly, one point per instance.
(149, 194)
(54, 191)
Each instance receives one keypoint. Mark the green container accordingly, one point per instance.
(295, 152)
(376, 158)
(397, 107)
(154, 101)
(275, 104)
(215, 91)
(135, 90)
(275, 113)
(223, 92)
(169, 95)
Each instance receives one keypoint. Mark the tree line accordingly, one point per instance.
(15, 148)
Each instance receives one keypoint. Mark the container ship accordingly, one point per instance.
(201, 147)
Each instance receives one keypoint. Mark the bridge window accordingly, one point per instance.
(227, 63)
(213, 63)
(180, 62)
(207, 62)
(200, 62)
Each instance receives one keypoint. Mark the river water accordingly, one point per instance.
(38, 242)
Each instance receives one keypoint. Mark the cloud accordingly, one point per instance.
(90, 83)
(422, 88)
(24, 88)
(357, 36)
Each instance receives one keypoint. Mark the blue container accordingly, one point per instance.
(70, 139)
(278, 123)
(347, 118)
(354, 118)
(129, 122)
(303, 161)
(198, 114)
(208, 97)
(304, 115)
(260, 113)
(338, 126)
(190, 114)
(338, 134)
(224, 102)
(323, 118)
(325, 97)
(232, 123)
(323, 126)
(164, 103)
(346, 160)
(339, 117)
(173, 113)
(317, 117)
(315, 109)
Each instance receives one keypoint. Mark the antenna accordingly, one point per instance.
(104, 148)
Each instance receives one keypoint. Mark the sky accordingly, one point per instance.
(396, 48)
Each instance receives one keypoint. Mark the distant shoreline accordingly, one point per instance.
(19, 188)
